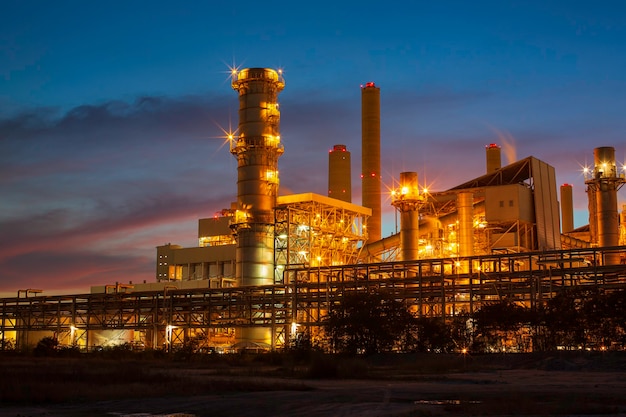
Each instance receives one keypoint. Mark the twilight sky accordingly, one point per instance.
(111, 113)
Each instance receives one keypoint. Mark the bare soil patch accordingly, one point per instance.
(564, 383)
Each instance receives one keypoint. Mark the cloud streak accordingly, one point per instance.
(91, 192)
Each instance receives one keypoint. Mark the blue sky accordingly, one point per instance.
(111, 112)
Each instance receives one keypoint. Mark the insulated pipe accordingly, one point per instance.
(465, 210)
(370, 158)
(622, 226)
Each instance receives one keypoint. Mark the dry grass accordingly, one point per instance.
(60, 380)
(531, 384)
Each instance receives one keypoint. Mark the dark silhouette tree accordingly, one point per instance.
(46, 346)
(370, 323)
(499, 324)
(462, 328)
(433, 335)
(565, 320)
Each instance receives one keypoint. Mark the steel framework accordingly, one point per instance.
(434, 287)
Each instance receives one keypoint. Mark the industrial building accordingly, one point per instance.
(272, 265)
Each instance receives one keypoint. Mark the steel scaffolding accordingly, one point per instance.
(433, 287)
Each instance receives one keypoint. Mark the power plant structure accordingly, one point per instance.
(340, 173)
(371, 186)
(272, 266)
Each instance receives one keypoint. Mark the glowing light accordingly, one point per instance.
(405, 190)
(232, 71)
(271, 176)
(229, 136)
(168, 334)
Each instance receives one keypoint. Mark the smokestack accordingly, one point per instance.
(567, 208)
(602, 188)
(370, 158)
(407, 200)
(493, 158)
(339, 174)
(257, 150)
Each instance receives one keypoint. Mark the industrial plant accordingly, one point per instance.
(271, 266)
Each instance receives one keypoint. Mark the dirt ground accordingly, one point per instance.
(559, 388)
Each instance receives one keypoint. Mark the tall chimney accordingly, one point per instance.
(408, 201)
(567, 208)
(257, 150)
(602, 188)
(493, 157)
(339, 174)
(370, 158)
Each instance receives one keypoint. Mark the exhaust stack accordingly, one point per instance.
(602, 190)
(339, 174)
(257, 150)
(493, 157)
(370, 158)
(567, 208)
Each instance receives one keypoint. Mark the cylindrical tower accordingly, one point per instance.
(339, 174)
(407, 200)
(567, 208)
(465, 213)
(493, 158)
(257, 150)
(370, 158)
(603, 189)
